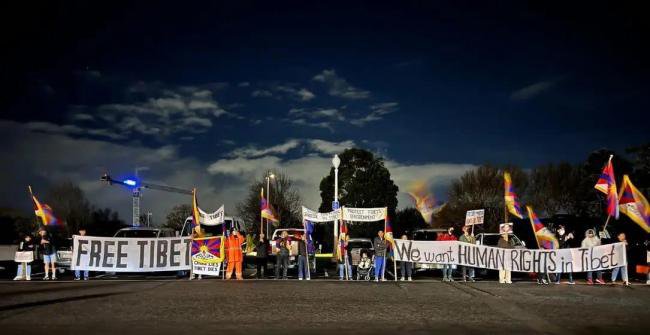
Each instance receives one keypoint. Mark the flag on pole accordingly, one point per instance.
(196, 223)
(309, 229)
(388, 233)
(607, 184)
(43, 211)
(512, 203)
(545, 238)
(266, 210)
(633, 204)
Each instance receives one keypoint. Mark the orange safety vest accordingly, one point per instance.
(233, 245)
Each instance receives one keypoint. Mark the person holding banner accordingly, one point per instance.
(590, 241)
(564, 239)
(77, 273)
(447, 269)
(235, 255)
(504, 275)
(26, 245)
(622, 269)
(380, 253)
(344, 258)
(262, 255)
(468, 271)
(49, 254)
(406, 268)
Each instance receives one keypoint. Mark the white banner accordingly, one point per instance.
(521, 260)
(364, 214)
(206, 269)
(24, 257)
(474, 217)
(212, 219)
(313, 216)
(114, 254)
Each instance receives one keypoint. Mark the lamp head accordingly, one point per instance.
(336, 161)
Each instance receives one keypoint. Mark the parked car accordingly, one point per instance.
(294, 234)
(429, 234)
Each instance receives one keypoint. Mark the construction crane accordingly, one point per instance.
(136, 186)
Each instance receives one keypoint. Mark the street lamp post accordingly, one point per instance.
(336, 161)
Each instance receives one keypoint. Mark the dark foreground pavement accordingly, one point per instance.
(332, 307)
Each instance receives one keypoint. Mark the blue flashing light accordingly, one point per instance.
(130, 182)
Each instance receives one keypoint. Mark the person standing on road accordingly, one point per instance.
(77, 273)
(564, 240)
(262, 254)
(467, 237)
(623, 269)
(49, 254)
(380, 254)
(447, 268)
(344, 257)
(406, 268)
(25, 245)
(590, 241)
(235, 255)
(303, 271)
(504, 275)
(282, 258)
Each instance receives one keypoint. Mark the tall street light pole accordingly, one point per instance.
(336, 161)
(269, 176)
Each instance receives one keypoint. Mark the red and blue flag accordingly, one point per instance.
(607, 184)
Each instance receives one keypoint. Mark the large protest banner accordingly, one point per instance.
(520, 260)
(313, 216)
(207, 255)
(212, 219)
(115, 254)
(364, 214)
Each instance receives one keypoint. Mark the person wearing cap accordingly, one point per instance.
(504, 243)
(447, 268)
(235, 255)
(468, 271)
(49, 254)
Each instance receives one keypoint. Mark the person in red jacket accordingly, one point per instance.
(235, 255)
(446, 268)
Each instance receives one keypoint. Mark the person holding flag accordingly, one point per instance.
(544, 238)
(49, 254)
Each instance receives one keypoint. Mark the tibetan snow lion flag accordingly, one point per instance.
(607, 184)
(208, 250)
(545, 238)
(511, 197)
(633, 204)
(43, 211)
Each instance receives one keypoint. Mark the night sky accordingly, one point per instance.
(210, 95)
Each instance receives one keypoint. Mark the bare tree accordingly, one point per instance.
(285, 199)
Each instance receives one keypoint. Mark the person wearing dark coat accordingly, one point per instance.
(262, 255)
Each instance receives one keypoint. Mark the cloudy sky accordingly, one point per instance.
(210, 95)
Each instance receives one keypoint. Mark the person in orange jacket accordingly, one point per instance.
(235, 255)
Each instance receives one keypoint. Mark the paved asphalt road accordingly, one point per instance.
(173, 306)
